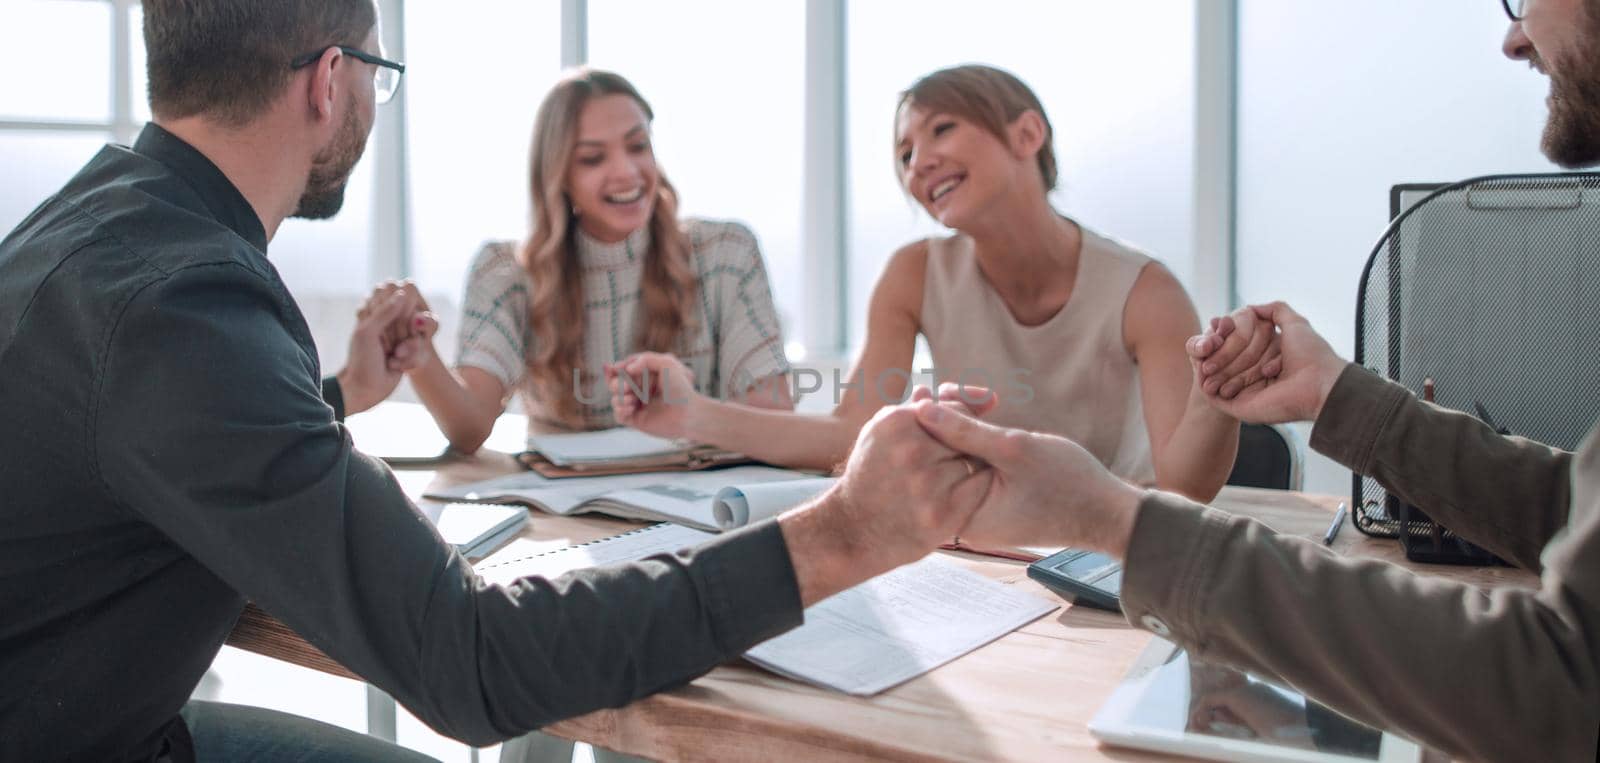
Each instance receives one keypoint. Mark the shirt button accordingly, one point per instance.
(1154, 625)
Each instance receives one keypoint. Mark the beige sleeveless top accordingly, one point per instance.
(1071, 375)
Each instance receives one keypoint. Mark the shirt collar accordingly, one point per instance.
(226, 204)
(594, 253)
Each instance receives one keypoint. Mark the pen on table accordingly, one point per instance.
(1338, 522)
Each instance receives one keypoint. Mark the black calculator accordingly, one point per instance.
(1081, 577)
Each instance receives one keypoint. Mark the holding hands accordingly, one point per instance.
(901, 484)
(901, 495)
(393, 334)
(406, 338)
(1265, 364)
(1041, 489)
(1238, 351)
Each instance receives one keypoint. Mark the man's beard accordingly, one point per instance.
(330, 171)
(1572, 134)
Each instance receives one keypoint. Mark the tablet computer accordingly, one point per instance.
(1170, 703)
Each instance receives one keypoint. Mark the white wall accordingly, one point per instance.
(1340, 101)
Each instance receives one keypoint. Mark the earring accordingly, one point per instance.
(577, 211)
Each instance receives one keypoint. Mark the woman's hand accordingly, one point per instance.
(1288, 385)
(407, 339)
(654, 393)
(1239, 350)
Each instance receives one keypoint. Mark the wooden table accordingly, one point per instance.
(1027, 696)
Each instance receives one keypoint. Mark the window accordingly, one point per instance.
(480, 71)
(1116, 80)
(1399, 107)
(727, 85)
(51, 125)
(36, 163)
(71, 41)
(1320, 145)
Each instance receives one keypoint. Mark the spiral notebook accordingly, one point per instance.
(862, 641)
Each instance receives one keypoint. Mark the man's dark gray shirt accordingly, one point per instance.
(166, 454)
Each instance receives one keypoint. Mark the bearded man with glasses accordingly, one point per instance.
(169, 453)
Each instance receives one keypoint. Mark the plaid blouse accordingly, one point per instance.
(733, 342)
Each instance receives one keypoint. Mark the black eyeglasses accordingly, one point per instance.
(385, 81)
(1516, 9)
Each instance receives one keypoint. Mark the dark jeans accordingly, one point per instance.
(225, 732)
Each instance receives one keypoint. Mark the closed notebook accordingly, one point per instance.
(861, 641)
(618, 451)
(475, 528)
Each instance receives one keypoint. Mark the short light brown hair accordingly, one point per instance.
(989, 97)
(228, 59)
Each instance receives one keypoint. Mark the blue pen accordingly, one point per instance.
(1338, 522)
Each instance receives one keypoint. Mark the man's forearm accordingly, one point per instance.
(1438, 660)
(1507, 494)
(827, 556)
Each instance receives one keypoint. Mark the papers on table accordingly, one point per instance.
(869, 638)
(898, 626)
(687, 498)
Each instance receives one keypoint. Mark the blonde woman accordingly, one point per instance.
(1079, 334)
(608, 270)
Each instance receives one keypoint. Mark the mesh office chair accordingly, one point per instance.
(1268, 457)
(1491, 288)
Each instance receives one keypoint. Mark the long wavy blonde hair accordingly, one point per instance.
(667, 288)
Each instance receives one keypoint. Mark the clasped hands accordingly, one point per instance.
(393, 334)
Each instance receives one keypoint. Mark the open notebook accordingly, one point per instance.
(862, 641)
(716, 500)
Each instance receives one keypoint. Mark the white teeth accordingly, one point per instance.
(943, 188)
(626, 198)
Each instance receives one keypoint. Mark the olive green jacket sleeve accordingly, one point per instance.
(1506, 674)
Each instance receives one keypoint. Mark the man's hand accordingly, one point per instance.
(1292, 387)
(393, 334)
(902, 494)
(1239, 350)
(1042, 489)
(408, 340)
